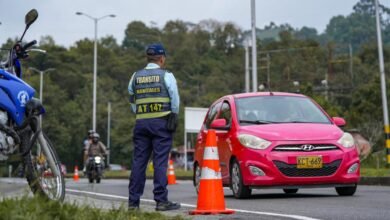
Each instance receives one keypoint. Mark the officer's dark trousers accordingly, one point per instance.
(150, 135)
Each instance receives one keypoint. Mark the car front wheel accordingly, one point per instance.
(240, 191)
(346, 191)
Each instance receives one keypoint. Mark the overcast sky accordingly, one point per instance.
(57, 17)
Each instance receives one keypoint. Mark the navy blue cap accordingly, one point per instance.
(155, 50)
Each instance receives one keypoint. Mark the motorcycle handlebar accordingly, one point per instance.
(30, 44)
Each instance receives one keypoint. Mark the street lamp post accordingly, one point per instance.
(94, 64)
(108, 132)
(41, 72)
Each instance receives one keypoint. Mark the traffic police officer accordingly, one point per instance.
(154, 98)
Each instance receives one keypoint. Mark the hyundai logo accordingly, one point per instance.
(307, 147)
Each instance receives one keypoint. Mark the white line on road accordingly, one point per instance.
(194, 206)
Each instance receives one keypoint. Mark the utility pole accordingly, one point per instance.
(383, 83)
(254, 47)
(267, 59)
(268, 72)
(351, 63)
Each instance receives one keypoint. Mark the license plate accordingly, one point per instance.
(309, 162)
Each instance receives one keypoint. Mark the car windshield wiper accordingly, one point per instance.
(257, 122)
(299, 122)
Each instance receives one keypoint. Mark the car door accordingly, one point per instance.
(223, 140)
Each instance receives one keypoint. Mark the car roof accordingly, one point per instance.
(254, 94)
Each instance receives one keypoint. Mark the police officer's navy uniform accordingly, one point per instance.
(154, 96)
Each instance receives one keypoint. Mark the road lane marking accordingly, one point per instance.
(276, 214)
(299, 217)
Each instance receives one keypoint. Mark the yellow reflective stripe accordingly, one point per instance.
(387, 143)
(151, 100)
(387, 129)
(388, 158)
(152, 115)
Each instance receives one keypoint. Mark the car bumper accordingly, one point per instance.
(280, 169)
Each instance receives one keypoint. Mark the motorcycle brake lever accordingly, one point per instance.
(36, 50)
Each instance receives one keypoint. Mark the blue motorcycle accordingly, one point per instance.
(20, 133)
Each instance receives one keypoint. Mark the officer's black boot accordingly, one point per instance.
(168, 205)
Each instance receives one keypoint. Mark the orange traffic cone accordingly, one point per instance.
(76, 174)
(211, 199)
(171, 174)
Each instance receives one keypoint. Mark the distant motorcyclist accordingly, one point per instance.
(96, 147)
(87, 141)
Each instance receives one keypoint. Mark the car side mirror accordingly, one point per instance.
(339, 121)
(219, 124)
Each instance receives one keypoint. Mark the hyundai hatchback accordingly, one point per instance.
(282, 140)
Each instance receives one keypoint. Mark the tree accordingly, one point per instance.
(138, 35)
(359, 27)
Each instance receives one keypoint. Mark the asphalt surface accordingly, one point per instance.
(369, 202)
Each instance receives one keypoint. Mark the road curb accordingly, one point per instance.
(70, 176)
(378, 181)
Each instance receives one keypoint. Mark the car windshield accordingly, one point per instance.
(278, 109)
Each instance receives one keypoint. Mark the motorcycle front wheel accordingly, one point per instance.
(44, 170)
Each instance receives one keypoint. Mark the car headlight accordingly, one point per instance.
(346, 140)
(253, 142)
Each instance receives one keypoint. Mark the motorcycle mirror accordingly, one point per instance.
(30, 18)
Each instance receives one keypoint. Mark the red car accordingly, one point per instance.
(281, 140)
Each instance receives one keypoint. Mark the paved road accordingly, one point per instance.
(369, 202)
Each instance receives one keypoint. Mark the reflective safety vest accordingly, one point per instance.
(150, 93)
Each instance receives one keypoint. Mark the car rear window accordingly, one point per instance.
(278, 109)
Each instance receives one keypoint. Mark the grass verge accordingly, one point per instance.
(42, 209)
(373, 172)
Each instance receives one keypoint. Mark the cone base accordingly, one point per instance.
(172, 183)
(211, 212)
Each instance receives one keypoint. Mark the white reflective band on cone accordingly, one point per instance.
(210, 153)
(210, 174)
(171, 172)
